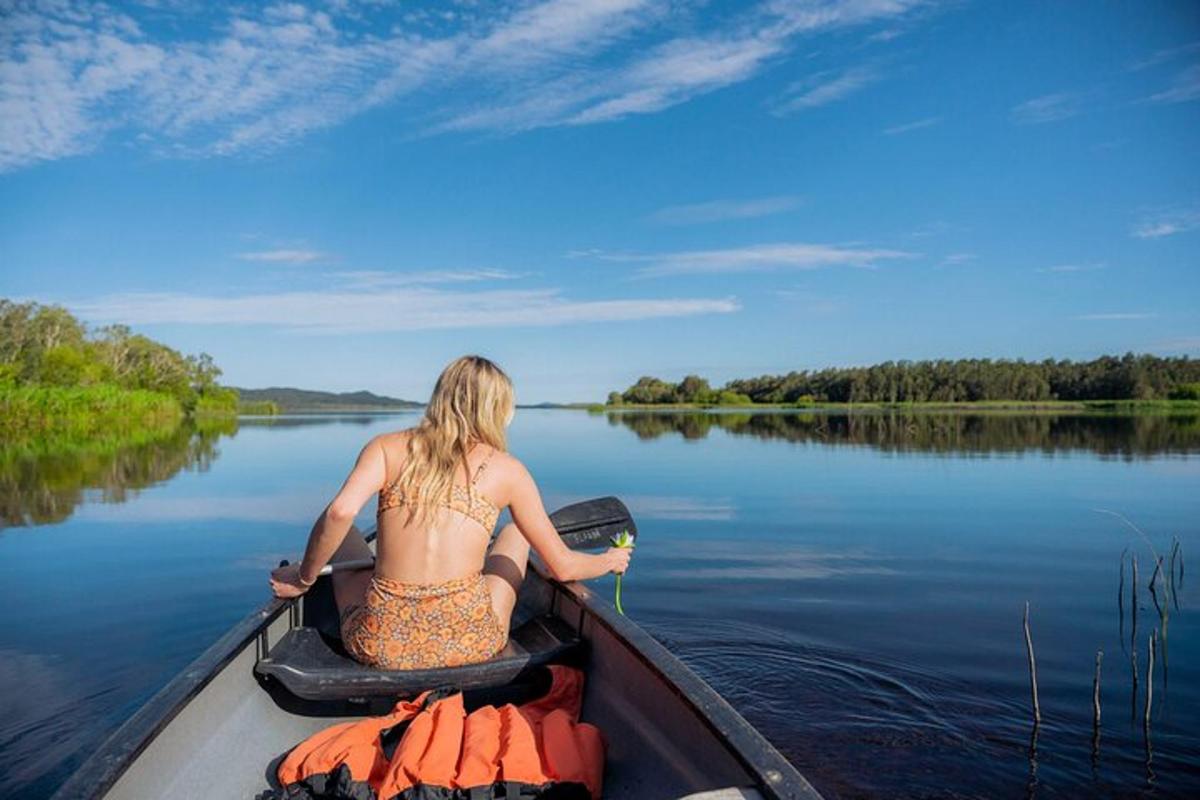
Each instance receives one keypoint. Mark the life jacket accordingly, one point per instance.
(429, 748)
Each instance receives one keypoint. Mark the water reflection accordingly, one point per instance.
(37, 488)
(328, 418)
(1110, 435)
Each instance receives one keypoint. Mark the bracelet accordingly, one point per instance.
(304, 583)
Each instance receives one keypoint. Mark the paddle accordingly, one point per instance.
(589, 523)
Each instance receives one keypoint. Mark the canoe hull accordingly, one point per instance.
(218, 731)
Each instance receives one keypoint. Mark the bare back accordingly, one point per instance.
(453, 544)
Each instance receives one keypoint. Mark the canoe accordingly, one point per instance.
(219, 729)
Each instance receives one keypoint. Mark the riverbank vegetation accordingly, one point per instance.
(1131, 381)
(61, 380)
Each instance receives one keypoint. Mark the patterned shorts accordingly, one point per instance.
(423, 625)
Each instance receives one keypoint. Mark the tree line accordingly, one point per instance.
(1128, 377)
(46, 346)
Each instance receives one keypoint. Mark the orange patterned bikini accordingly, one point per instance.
(423, 625)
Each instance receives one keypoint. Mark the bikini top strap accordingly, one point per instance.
(479, 471)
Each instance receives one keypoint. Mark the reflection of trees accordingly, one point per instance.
(304, 421)
(42, 487)
(951, 433)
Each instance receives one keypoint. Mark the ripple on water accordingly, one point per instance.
(848, 721)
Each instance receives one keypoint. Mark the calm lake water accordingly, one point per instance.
(854, 585)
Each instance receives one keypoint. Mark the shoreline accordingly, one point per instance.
(1117, 406)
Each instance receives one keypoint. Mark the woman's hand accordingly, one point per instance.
(618, 558)
(285, 581)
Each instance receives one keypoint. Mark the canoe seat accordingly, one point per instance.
(313, 668)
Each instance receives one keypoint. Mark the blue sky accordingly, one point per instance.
(348, 194)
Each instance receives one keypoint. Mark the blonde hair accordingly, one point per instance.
(472, 401)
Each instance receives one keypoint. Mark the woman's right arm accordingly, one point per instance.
(564, 564)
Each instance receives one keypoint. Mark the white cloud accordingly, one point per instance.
(1048, 108)
(908, 127)
(1168, 223)
(348, 311)
(824, 88)
(257, 78)
(1119, 315)
(718, 210)
(785, 255)
(283, 256)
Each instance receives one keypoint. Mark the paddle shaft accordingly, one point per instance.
(585, 524)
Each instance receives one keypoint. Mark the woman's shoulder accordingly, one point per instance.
(393, 444)
(508, 464)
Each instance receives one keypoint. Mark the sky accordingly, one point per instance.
(347, 195)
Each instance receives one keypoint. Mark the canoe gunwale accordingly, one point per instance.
(777, 778)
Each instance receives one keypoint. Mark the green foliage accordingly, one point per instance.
(728, 398)
(216, 400)
(1129, 377)
(45, 346)
(259, 408)
(44, 412)
(1186, 391)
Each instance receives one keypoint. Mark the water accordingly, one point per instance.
(852, 584)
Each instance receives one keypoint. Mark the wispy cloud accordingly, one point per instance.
(348, 311)
(1180, 344)
(1164, 55)
(718, 210)
(957, 259)
(1183, 89)
(1047, 108)
(1119, 315)
(1168, 223)
(809, 302)
(935, 228)
(377, 279)
(1072, 268)
(824, 88)
(284, 256)
(909, 127)
(250, 79)
(785, 255)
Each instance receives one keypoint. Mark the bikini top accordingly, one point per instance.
(478, 508)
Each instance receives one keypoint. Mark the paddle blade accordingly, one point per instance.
(591, 522)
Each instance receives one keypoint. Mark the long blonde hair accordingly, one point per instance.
(472, 402)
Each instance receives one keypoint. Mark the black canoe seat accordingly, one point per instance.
(310, 667)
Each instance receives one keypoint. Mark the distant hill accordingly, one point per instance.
(289, 399)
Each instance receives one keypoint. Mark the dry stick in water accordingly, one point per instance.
(1153, 590)
(1133, 601)
(1121, 600)
(1096, 691)
(1037, 710)
(1172, 583)
(1150, 678)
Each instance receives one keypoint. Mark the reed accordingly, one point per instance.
(1150, 677)
(1037, 709)
(1096, 691)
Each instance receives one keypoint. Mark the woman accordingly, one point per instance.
(438, 596)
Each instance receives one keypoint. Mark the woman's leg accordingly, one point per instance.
(350, 587)
(504, 571)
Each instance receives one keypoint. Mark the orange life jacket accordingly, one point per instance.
(431, 749)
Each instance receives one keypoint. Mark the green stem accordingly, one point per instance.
(619, 609)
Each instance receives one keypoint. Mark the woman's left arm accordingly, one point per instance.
(366, 479)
